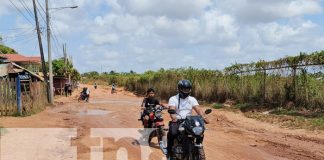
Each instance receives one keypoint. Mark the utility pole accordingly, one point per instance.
(41, 52)
(65, 56)
(66, 62)
(49, 53)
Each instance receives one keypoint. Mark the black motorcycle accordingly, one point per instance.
(188, 142)
(83, 97)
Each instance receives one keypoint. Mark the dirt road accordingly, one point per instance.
(73, 130)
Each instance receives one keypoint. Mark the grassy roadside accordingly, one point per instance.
(2, 130)
(292, 119)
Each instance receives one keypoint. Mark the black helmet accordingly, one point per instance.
(184, 88)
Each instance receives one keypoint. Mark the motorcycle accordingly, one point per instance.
(188, 142)
(154, 119)
(83, 97)
(113, 90)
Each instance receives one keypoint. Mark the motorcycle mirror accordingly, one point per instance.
(208, 111)
(172, 111)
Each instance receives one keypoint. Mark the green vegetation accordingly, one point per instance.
(217, 106)
(3, 130)
(6, 50)
(60, 69)
(289, 82)
(291, 118)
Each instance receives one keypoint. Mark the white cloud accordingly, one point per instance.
(4, 8)
(126, 23)
(279, 35)
(233, 49)
(256, 11)
(220, 25)
(301, 7)
(176, 28)
(174, 9)
(144, 34)
(104, 39)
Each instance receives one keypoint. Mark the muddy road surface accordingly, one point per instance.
(107, 128)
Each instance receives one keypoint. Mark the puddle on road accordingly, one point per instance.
(94, 112)
(114, 102)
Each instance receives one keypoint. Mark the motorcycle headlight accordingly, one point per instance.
(197, 130)
(158, 115)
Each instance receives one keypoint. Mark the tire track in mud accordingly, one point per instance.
(85, 123)
(229, 136)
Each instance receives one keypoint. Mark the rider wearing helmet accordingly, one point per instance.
(183, 104)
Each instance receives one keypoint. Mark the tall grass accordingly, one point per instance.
(276, 88)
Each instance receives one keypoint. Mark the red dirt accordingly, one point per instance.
(229, 136)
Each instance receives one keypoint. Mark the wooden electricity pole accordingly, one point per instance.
(41, 51)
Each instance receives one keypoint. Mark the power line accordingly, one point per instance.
(18, 39)
(58, 33)
(40, 11)
(41, 7)
(24, 39)
(41, 15)
(22, 2)
(56, 49)
(27, 41)
(56, 44)
(21, 34)
(13, 29)
(44, 12)
(21, 12)
(55, 40)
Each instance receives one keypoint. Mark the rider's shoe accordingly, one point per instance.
(163, 148)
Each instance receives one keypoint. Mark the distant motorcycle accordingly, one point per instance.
(185, 145)
(113, 90)
(83, 97)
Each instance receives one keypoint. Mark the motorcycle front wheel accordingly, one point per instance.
(200, 154)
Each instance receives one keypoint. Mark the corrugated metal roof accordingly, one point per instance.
(14, 68)
(32, 73)
(20, 58)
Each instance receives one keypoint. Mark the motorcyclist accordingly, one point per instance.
(113, 88)
(88, 93)
(149, 101)
(83, 93)
(95, 85)
(183, 104)
(84, 90)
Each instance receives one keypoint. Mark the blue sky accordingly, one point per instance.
(141, 35)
